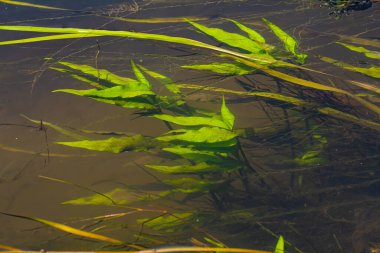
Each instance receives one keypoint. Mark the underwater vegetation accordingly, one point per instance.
(214, 173)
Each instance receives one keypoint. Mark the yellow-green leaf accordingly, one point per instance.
(280, 246)
(169, 83)
(69, 229)
(198, 168)
(48, 38)
(113, 92)
(233, 69)
(366, 52)
(114, 197)
(290, 43)
(231, 39)
(30, 5)
(197, 155)
(190, 185)
(192, 121)
(114, 145)
(143, 82)
(373, 71)
(227, 116)
(252, 34)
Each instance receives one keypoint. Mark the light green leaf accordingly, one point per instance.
(113, 92)
(366, 52)
(227, 116)
(101, 74)
(231, 39)
(191, 185)
(290, 43)
(197, 155)
(204, 135)
(373, 71)
(233, 69)
(169, 83)
(192, 121)
(114, 145)
(198, 168)
(168, 222)
(280, 246)
(117, 195)
(252, 34)
(48, 38)
(134, 103)
(143, 82)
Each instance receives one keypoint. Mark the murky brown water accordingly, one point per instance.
(23, 150)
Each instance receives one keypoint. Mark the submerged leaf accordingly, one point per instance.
(69, 229)
(204, 135)
(166, 222)
(115, 197)
(233, 69)
(192, 121)
(198, 168)
(197, 155)
(290, 43)
(227, 116)
(114, 145)
(48, 38)
(30, 5)
(191, 185)
(230, 39)
(169, 83)
(143, 82)
(366, 52)
(113, 92)
(252, 34)
(101, 74)
(280, 246)
(373, 71)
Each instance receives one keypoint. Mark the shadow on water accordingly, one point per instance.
(316, 180)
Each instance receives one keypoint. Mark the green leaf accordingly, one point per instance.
(168, 222)
(114, 145)
(191, 121)
(197, 155)
(290, 43)
(280, 246)
(198, 168)
(101, 74)
(191, 185)
(143, 82)
(204, 135)
(227, 116)
(115, 197)
(366, 52)
(231, 39)
(135, 103)
(113, 92)
(373, 71)
(48, 38)
(233, 69)
(252, 34)
(169, 83)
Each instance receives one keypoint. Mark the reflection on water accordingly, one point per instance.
(316, 179)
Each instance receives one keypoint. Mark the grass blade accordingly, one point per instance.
(31, 5)
(69, 229)
(366, 52)
(48, 38)
(234, 69)
(373, 71)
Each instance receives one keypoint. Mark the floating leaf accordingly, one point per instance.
(69, 229)
(203, 135)
(169, 83)
(30, 5)
(114, 197)
(230, 39)
(366, 52)
(198, 168)
(192, 121)
(227, 116)
(252, 34)
(114, 145)
(280, 246)
(290, 43)
(373, 71)
(233, 69)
